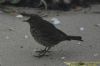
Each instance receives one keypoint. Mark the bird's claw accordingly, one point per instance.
(41, 51)
(39, 56)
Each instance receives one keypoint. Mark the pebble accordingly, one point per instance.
(96, 54)
(26, 36)
(79, 43)
(97, 25)
(19, 16)
(21, 46)
(82, 28)
(63, 58)
(11, 29)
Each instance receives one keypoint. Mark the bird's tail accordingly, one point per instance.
(78, 38)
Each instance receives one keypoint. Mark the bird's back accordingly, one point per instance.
(46, 32)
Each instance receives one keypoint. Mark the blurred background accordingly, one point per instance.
(65, 5)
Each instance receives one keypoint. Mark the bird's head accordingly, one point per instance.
(33, 18)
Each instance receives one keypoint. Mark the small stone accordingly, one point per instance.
(63, 58)
(21, 46)
(11, 29)
(82, 28)
(96, 54)
(19, 16)
(26, 37)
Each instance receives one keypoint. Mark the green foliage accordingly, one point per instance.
(14, 1)
(2, 1)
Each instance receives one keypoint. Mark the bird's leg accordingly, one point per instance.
(44, 52)
(47, 49)
(41, 51)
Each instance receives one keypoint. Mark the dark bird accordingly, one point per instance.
(47, 34)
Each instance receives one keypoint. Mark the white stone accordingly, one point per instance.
(19, 16)
(82, 28)
(63, 57)
(79, 43)
(26, 36)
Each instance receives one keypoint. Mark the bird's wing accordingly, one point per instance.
(49, 29)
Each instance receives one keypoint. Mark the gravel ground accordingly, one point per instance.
(17, 46)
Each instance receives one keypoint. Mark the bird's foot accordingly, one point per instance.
(39, 56)
(41, 51)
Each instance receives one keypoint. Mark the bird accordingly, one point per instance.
(46, 34)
